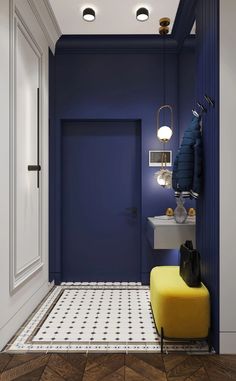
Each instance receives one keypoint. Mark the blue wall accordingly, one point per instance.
(115, 83)
(207, 53)
(186, 87)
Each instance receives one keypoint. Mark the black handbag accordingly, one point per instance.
(189, 268)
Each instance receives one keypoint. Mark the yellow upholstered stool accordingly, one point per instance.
(179, 311)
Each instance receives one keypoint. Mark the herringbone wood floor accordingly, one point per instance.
(116, 367)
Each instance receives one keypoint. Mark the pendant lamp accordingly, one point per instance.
(164, 130)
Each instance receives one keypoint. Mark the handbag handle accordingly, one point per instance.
(189, 245)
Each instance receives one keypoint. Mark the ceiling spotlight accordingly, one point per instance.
(142, 14)
(89, 14)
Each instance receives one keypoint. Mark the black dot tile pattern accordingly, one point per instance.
(107, 315)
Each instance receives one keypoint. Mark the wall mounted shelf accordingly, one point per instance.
(164, 233)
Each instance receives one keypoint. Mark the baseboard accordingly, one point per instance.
(56, 277)
(145, 278)
(13, 324)
(227, 342)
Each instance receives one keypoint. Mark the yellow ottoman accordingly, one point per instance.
(179, 311)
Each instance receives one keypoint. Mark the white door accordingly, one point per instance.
(24, 46)
(29, 148)
(27, 145)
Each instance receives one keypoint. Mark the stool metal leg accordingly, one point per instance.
(209, 342)
(162, 339)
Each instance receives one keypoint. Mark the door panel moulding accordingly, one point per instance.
(23, 268)
(18, 276)
(59, 222)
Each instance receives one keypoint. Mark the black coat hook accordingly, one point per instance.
(195, 113)
(202, 107)
(209, 100)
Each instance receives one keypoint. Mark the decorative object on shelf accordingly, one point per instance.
(192, 212)
(180, 213)
(169, 212)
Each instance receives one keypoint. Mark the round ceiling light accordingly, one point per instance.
(142, 14)
(89, 14)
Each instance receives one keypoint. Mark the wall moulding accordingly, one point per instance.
(47, 21)
(120, 44)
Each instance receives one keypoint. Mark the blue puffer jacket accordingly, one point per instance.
(187, 169)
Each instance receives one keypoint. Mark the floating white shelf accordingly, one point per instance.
(164, 233)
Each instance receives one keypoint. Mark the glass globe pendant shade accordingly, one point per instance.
(160, 180)
(164, 178)
(164, 133)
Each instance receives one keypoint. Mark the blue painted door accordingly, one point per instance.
(101, 201)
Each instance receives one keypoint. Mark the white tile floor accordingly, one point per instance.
(102, 316)
(98, 317)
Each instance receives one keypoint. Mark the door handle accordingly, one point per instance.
(36, 167)
(133, 211)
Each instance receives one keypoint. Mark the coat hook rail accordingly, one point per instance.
(203, 109)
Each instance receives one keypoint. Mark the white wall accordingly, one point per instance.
(227, 177)
(16, 307)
